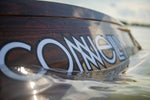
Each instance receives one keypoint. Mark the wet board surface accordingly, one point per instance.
(41, 41)
(61, 38)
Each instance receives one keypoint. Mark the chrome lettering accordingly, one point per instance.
(79, 47)
(91, 54)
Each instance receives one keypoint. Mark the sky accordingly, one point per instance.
(127, 10)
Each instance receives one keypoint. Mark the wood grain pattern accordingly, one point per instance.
(31, 21)
(49, 9)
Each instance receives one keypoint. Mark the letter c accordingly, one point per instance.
(4, 68)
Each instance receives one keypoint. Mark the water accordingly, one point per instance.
(133, 85)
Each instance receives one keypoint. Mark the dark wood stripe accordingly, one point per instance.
(49, 9)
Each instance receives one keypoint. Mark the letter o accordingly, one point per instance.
(52, 41)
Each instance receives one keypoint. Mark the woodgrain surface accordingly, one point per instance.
(32, 21)
(49, 9)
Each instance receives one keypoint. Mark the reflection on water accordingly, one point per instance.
(133, 85)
